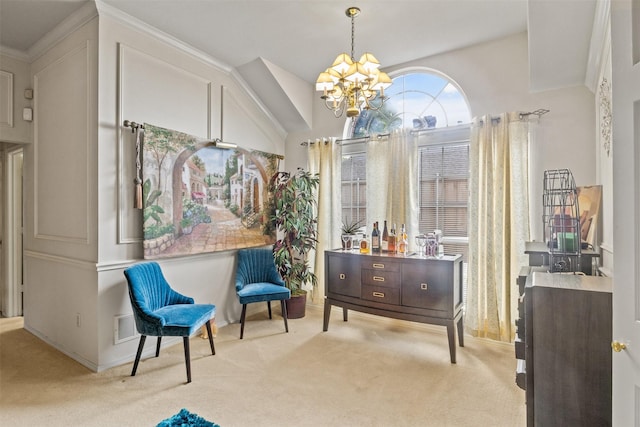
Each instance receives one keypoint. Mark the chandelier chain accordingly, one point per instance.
(353, 37)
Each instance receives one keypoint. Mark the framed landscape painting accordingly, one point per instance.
(200, 198)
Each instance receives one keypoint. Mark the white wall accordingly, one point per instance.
(495, 78)
(60, 197)
(604, 150)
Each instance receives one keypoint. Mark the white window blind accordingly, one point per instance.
(444, 193)
(354, 188)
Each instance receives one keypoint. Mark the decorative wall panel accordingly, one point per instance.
(6, 99)
(62, 135)
(182, 101)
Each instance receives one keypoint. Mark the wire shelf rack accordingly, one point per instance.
(561, 220)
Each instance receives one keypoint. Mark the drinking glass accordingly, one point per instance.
(432, 245)
(355, 242)
(346, 240)
(421, 241)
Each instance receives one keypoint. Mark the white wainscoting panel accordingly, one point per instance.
(6, 99)
(63, 131)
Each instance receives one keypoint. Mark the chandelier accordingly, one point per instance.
(353, 85)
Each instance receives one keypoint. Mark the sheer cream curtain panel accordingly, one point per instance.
(498, 222)
(324, 157)
(392, 187)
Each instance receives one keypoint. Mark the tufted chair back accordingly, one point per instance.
(256, 266)
(258, 280)
(150, 291)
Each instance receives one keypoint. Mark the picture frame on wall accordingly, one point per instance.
(199, 198)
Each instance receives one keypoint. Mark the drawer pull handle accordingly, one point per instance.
(378, 278)
(378, 294)
(423, 286)
(378, 265)
(342, 276)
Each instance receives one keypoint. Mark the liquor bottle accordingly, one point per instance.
(375, 239)
(403, 243)
(384, 243)
(364, 245)
(392, 240)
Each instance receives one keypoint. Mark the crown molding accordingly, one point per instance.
(14, 53)
(133, 22)
(600, 43)
(71, 23)
(98, 8)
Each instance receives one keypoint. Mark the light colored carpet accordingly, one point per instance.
(369, 371)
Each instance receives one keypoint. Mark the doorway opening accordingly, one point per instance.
(11, 240)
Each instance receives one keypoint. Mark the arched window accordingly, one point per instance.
(416, 100)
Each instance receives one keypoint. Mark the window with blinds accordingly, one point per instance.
(444, 174)
(444, 193)
(354, 188)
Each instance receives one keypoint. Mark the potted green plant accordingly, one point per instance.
(293, 215)
(349, 228)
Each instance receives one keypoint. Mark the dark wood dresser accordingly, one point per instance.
(425, 290)
(568, 332)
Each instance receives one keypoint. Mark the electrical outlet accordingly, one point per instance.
(78, 320)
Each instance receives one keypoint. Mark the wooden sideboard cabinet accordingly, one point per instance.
(425, 290)
(568, 349)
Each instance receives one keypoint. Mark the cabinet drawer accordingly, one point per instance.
(343, 276)
(381, 278)
(381, 294)
(380, 264)
(427, 286)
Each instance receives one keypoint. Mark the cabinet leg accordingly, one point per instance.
(451, 334)
(327, 314)
(460, 332)
(345, 316)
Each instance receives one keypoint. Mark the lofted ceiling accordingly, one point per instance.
(302, 38)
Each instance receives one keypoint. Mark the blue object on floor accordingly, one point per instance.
(185, 418)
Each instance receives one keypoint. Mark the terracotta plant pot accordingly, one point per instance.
(296, 306)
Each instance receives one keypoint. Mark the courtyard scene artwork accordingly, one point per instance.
(199, 198)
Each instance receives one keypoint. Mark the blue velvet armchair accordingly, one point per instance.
(258, 280)
(160, 311)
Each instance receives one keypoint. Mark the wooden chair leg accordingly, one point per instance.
(244, 313)
(158, 346)
(140, 347)
(284, 314)
(269, 305)
(213, 349)
(187, 357)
